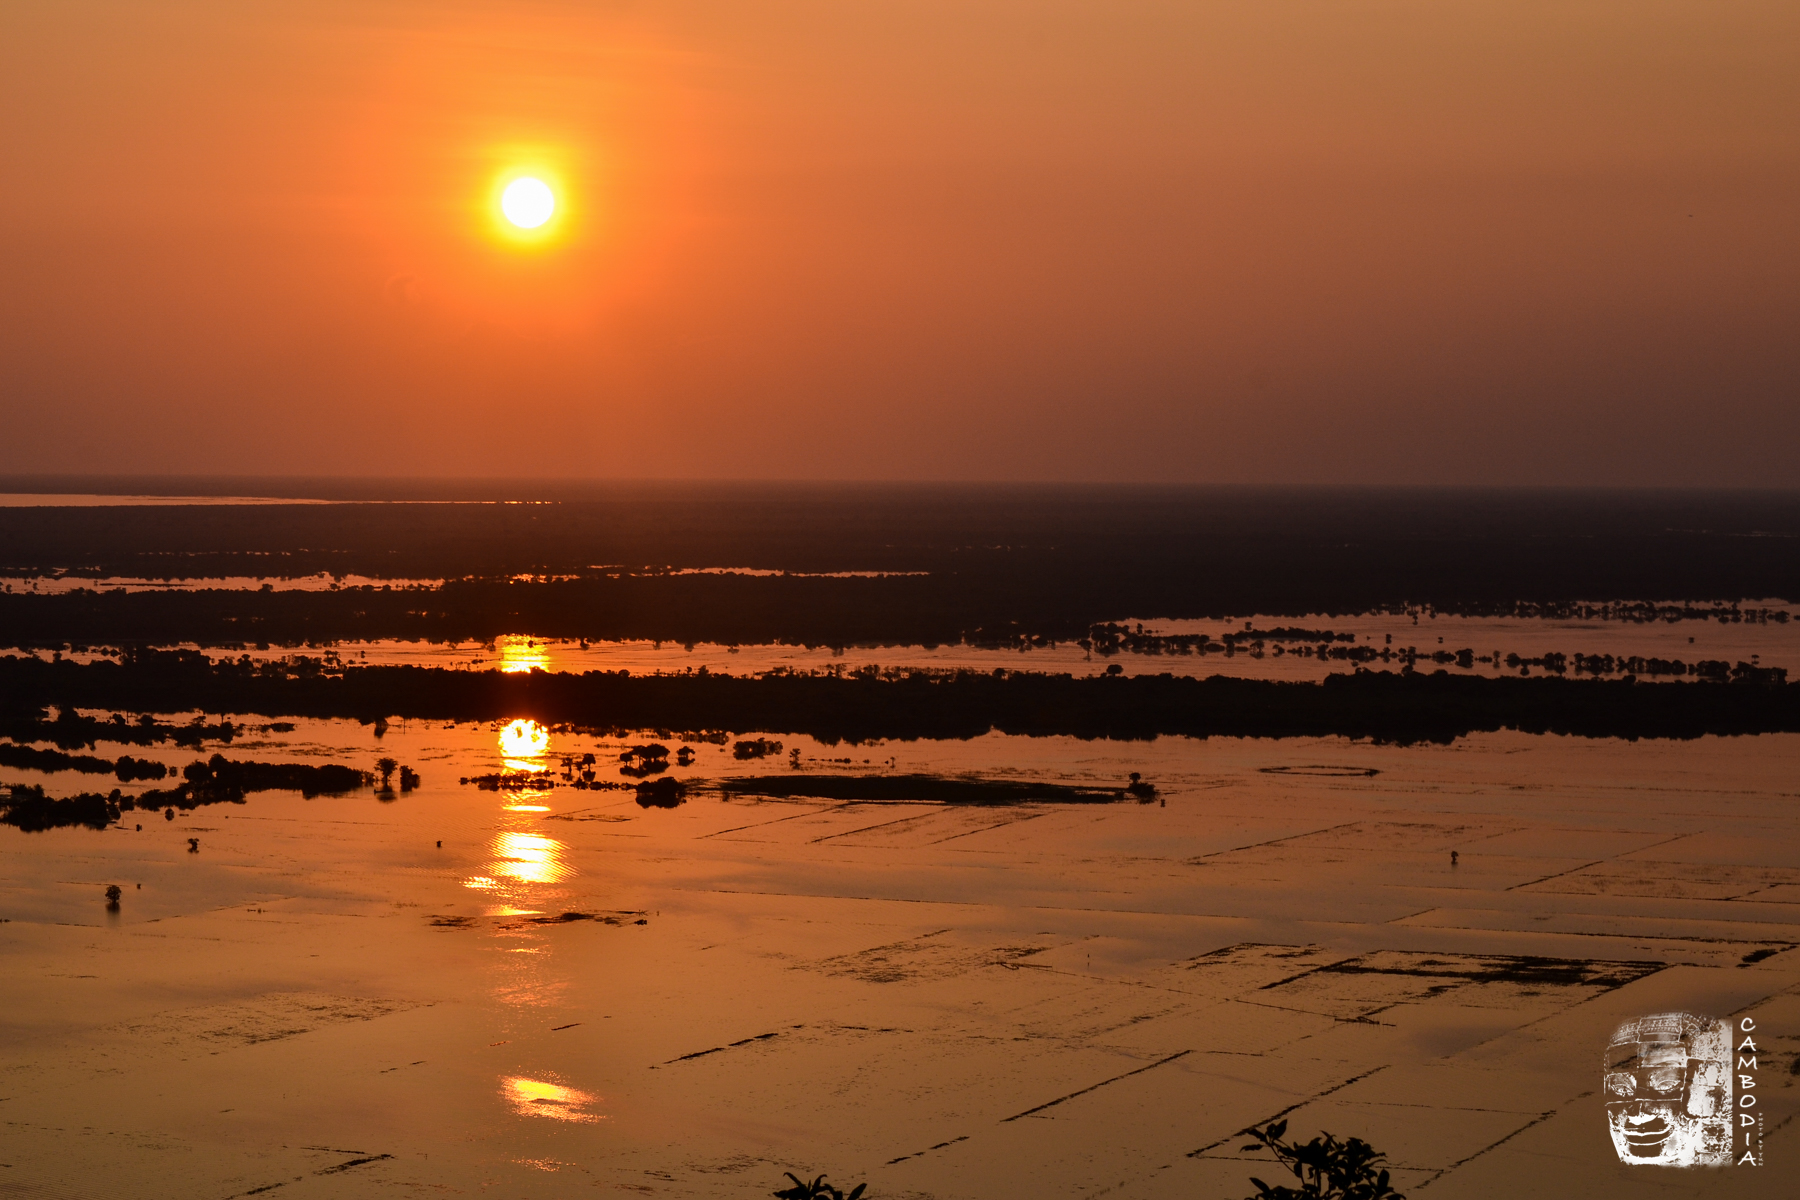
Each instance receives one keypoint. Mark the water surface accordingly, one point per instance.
(943, 1000)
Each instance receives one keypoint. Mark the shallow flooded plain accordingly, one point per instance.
(551, 990)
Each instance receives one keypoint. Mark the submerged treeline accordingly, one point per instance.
(1403, 708)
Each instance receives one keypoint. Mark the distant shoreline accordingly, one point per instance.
(352, 489)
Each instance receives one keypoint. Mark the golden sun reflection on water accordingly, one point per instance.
(519, 653)
(524, 740)
(541, 1098)
(519, 860)
(528, 858)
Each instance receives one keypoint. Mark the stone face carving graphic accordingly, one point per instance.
(1668, 1091)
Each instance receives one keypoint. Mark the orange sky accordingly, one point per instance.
(1301, 240)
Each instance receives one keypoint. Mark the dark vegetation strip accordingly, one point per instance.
(72, 730)
(217, 781)
(127, 768)
(222, 778)
(28, 808)
(1398, 708)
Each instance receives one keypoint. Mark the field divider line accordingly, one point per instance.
(760, 1037)
(1338, 1087)
(811, 812)
(1084, 1091)
(1537, 1120)
(866, 828)
(1584, 866)
(1199, 859)
(987, 828)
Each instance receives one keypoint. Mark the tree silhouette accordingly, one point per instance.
(1326, 1168)
(818, 1189)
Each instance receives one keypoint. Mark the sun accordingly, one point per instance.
(528, 202)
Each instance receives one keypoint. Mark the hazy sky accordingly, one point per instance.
(1258, 240)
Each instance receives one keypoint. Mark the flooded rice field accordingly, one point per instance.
(545, 982)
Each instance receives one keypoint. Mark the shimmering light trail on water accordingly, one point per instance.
(528, 858)
(542, 1098)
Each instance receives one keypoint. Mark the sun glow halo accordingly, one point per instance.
(528, 202)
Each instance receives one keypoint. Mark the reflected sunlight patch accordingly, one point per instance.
(542, 1098)
(519, 653)
(523, 741)
(543, 1164)
(528, 857)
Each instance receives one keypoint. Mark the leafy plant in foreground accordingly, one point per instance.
(1326, 1168)
(818, 1189)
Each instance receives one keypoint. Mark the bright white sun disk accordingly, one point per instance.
(528, 202)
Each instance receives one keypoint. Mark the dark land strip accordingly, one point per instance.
(1387, 707)
(216, 781)
(1236, 543)
(984, 564)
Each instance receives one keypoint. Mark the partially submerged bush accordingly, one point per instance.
(661, 793)
(754, 748)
